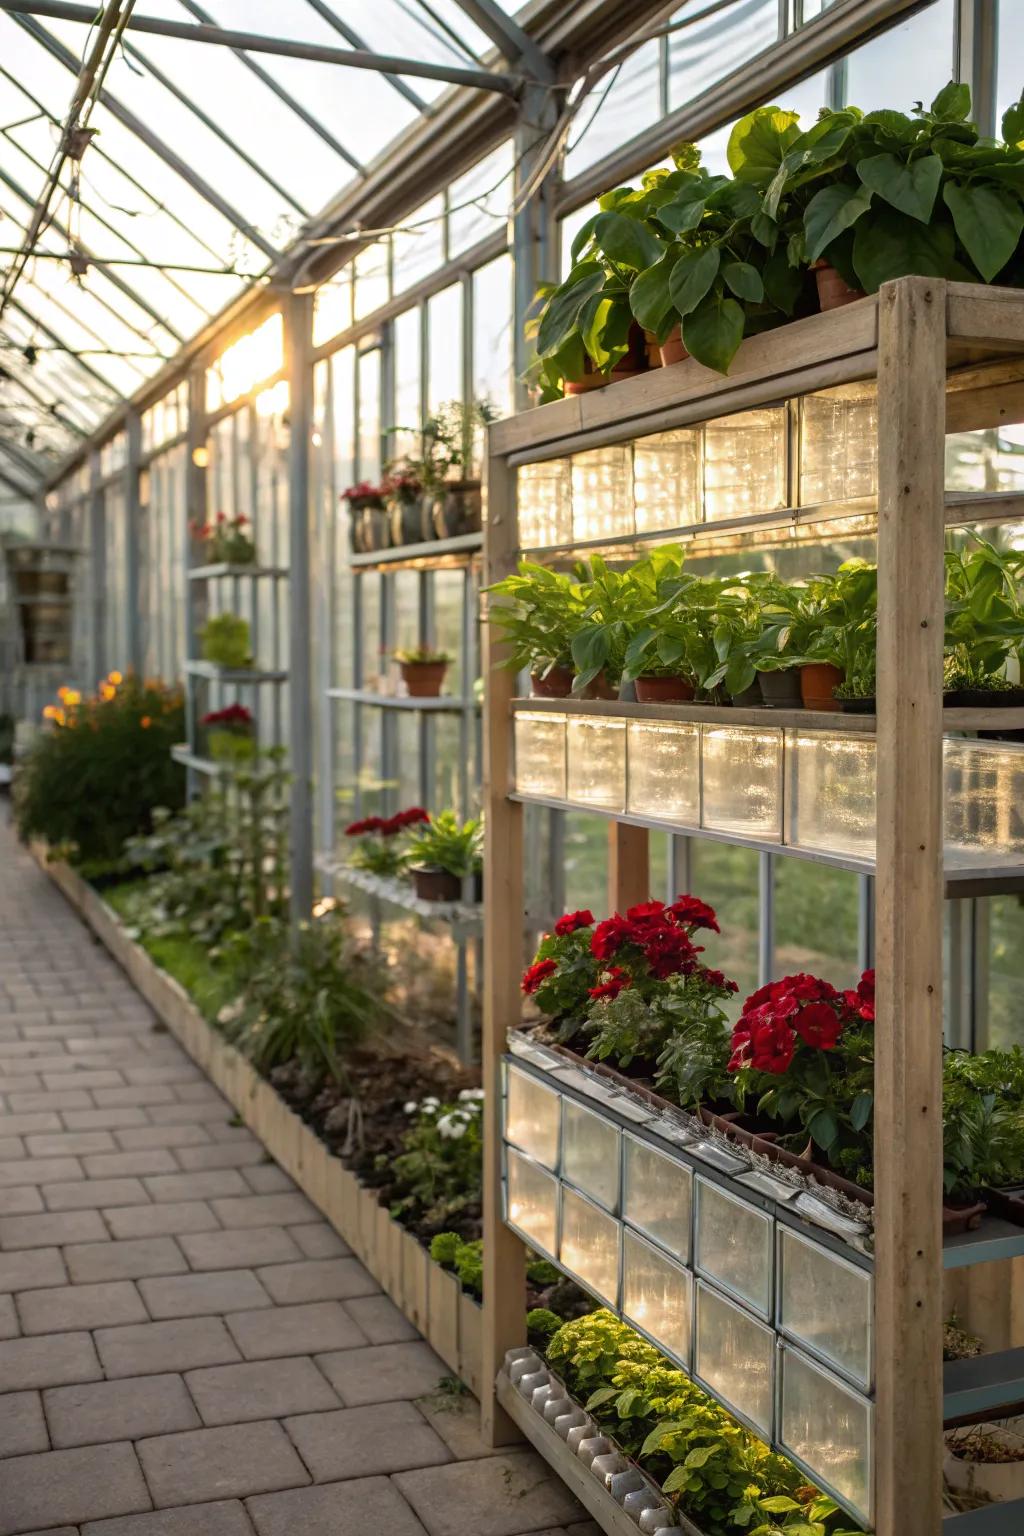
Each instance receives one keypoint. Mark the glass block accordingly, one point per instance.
(540, 755)
(590, 1154)
(734, 1356)
(984, 802)
(590, 1246)
(602, 493)
(544, 499)
(664, 770)
(597, 762)
(532, 1202)
(745, 463)
(826, 1304)
(839, 444)
(666, 480)
(657, 1296)
(741, 781)
(532, 1117)
(656, 1196)
(734, 1246)
(830, 793)
(828, 1428)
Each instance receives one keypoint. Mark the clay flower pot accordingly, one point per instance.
(664, 690)
(672, 348)
(833, 290)
(781, 690)
(634, 362)
(432, 883)
(818, 682)
(423, 679)
(555, 684)
(599, 688)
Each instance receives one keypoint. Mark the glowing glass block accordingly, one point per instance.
(745, 463)
(657, 1296)
(656, 1196)
(532, 1117)
(597, 762)
(664, 770)
(734, 1357)
(830, 793)
(590, 1246)
(666, 480)
(826, 1304)
(532, 1202)
(602, 493)
(839, 444)
(828, 1428)
(984, 796)
(590, 1154)
(544, 500)
(741, 779)
(734, 1246)
(540, 755)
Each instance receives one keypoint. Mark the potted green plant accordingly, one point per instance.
(407, 507)
(380, 846)
(423, 669)
(225, 641)
(538, 617)
(984, 625)
(616, 606)
(370, 527)
(225, 541)
(442, 854)
(230, 734)
(437, 493)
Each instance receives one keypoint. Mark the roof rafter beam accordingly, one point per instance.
(23, 456)
(50, 407)
(17, 303)
(517, 46)
(353, 37)
(256, 42)
(28, 491)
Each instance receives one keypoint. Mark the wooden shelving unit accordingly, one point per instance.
(946, 357)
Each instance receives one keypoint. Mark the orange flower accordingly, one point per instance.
(107, 692)
(55, 713)
(71, 696)
(115, 677)
(145, 722)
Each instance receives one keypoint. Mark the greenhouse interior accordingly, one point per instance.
(511, 653)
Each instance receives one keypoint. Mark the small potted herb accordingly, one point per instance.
(443, 854)
(537, 618)
(370, 527)
(230, 734)
(225, 641)
(380, 846)
(423, 670)
(443, 499)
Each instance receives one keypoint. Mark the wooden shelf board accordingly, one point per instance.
(838, 722)
(430, 553)
(183, 754)
(465, 918)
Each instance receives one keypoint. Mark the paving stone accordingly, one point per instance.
(10, 1328)
(318, 1280)
(58, 1227)
(237, 1250)
(232, 1129)
(264, 1210)
(30, 1125)
(22, 1426)
(457, 1421)
(219, 1154)
(203, 1295)
(70, 1307)
(294, 1331)
(268, 1179)
(22, 1200)
(29, 1103)
(82, 1484)
(226, 1518)
(144, 1349)
(232, 1394)
(231, 1462)
(383, 1373)
(100, 1078)
(171, 1111)
(354, 1442)
(380, 1320)
(103, 1119)
(91, 1194)
(11, 1147)
(131, 1165)
(319, 1241)
(202, 1092)
(496, 1496)
(129, 1260)
(160, 1136)
(156, 1097)
(127, 1409)
(45, 1170)
(157, 1220)
(47, 1362)
(181, 1072)
(70, 1144)
(198, 1185)
(336, 1509)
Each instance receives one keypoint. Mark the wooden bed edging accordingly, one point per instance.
(430, 1297)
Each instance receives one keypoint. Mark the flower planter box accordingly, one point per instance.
(429, 1296)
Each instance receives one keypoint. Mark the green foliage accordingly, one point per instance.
(440, 1168)
(226, 642)
(541, 1323)
(94, 778)
(446, 843)
(422, 656)
(447, 441)
(7, 730)
(444, 1248)
(540, 612)
(984, 613)
(209, 981)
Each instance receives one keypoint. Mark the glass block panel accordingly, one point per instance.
(745, 463)
(597, 762)
(839, 444)
(590, 1246)
(590, 1154)
(656, 1196)
(826, 1304)
(734, 1246)
(543, 493)
(602, 493)
(656, 1295)
(532, 1116)
(532, 1202)
(830, 793)
(664, 770)
(540, 755)
(828, 1428)
(666, 480)
(742, 781)
(735, 1357)
(984, 802)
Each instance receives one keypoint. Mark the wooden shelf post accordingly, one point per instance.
(629, 866)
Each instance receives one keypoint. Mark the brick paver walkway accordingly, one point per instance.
(186, 1348)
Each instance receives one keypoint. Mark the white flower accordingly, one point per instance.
(410, 1107)
(470, 1095)
(451, 1127)
(430, 1105)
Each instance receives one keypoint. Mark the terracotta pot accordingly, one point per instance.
(818, 682)
(634, 362)
(599, 688)
(781, 690)
(652, 351)
(833, 290)
(423, 679)
(458, 510)
(555, 684)
(664, 690)
(672, 348)
(432, 883)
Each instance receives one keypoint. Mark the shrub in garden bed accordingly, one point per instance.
(551, 1297)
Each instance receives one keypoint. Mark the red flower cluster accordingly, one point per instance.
(358, 492)
(387, 826)
(661, 934)
(571, 922)
(861, 1002)
(234, 715)
(778, 1016)
(535, 976)
(208, 530)
(614, 982)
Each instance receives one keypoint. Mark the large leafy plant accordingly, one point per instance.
(984, 614)
(538, 617)
(445, 842)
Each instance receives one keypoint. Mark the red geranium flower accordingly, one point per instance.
(535, 975)
(772, 1047)
(571, 922)
(694, 913)
(667, 951)
(819, 1025)
(719, 979)
(609, 936)
(861, 1002)
(645, 911)
(409, 818)
(368, 824)
(615, 981)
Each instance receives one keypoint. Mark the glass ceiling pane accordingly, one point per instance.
(21, 326)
